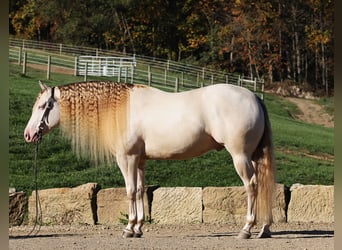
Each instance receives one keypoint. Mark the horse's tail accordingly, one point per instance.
(265, 169)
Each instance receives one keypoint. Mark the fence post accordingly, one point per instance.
(48, 68)
(165, 76)
(203, 75)
(212, 79)
(76, 64)
(132, 74)
(149, 76)
(24, 63)
(119, 74)
(197, 80)
(85, 71)
(60, 49)
(227, 80)
(255, 85)
(182, 77)
(19, 56)
(177, 85)
(126, 76)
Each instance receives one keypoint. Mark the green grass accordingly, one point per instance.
(328, 104)
(304, 152)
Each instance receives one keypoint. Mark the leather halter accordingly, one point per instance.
(45, 116)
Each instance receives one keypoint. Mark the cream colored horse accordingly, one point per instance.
(133, 123)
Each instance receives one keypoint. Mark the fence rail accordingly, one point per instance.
(124, 67)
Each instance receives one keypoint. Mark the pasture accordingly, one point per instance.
(304, 152)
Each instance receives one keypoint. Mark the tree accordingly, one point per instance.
(276, 40)
(319, 40)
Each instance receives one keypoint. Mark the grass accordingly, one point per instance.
(304, 152)
(327, 104)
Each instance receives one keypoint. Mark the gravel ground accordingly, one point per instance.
(197, 236)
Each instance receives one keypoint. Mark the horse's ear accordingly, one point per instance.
(42, 86)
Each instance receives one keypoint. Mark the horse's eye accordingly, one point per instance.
(42, 106)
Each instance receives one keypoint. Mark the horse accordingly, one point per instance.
(132, 123)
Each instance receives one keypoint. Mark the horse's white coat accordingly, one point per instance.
(184, 125)
(188, 124)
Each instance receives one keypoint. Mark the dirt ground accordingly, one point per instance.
(195, 236)
(312, 112)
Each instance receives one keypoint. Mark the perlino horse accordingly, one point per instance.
(133, 123)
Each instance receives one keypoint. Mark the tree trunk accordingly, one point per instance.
(297, 58)
(231, 51)
(324, 81)
(316, 67)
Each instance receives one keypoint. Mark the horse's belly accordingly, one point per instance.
(178, 148)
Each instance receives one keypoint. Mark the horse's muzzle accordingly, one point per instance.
(31, 138)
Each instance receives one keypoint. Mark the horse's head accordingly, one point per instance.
(45, 114)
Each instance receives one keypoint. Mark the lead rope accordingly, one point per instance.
(38, 217)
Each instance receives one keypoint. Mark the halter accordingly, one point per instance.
(45, 116)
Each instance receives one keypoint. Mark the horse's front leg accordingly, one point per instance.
(128, 166)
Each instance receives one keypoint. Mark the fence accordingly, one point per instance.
(106, 66)
(166, 74)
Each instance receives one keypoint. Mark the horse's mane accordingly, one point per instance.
(94, 116)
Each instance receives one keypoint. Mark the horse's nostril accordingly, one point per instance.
(27, 136)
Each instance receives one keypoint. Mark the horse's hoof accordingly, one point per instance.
(137, 235)
(264, 233)
(127, 233)
(244, 235)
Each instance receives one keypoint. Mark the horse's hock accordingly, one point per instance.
(179, 205)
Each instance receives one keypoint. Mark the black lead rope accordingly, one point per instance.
(38, 217)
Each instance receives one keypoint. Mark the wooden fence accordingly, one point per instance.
(166, 74)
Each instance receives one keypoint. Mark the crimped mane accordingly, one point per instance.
(94, 116)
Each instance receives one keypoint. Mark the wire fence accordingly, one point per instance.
(123, 67)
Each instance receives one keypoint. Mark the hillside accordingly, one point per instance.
(311, 112)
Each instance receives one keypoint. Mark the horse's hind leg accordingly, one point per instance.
(245, 169)
(140, 200)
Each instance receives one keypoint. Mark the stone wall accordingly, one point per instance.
(66, 205)
(229, 204)
(178, 205)
(17, 207)
(311, 203)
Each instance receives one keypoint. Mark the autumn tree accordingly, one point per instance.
(320, 43)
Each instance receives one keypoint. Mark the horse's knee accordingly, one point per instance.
(140, 193)
(131, 193)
